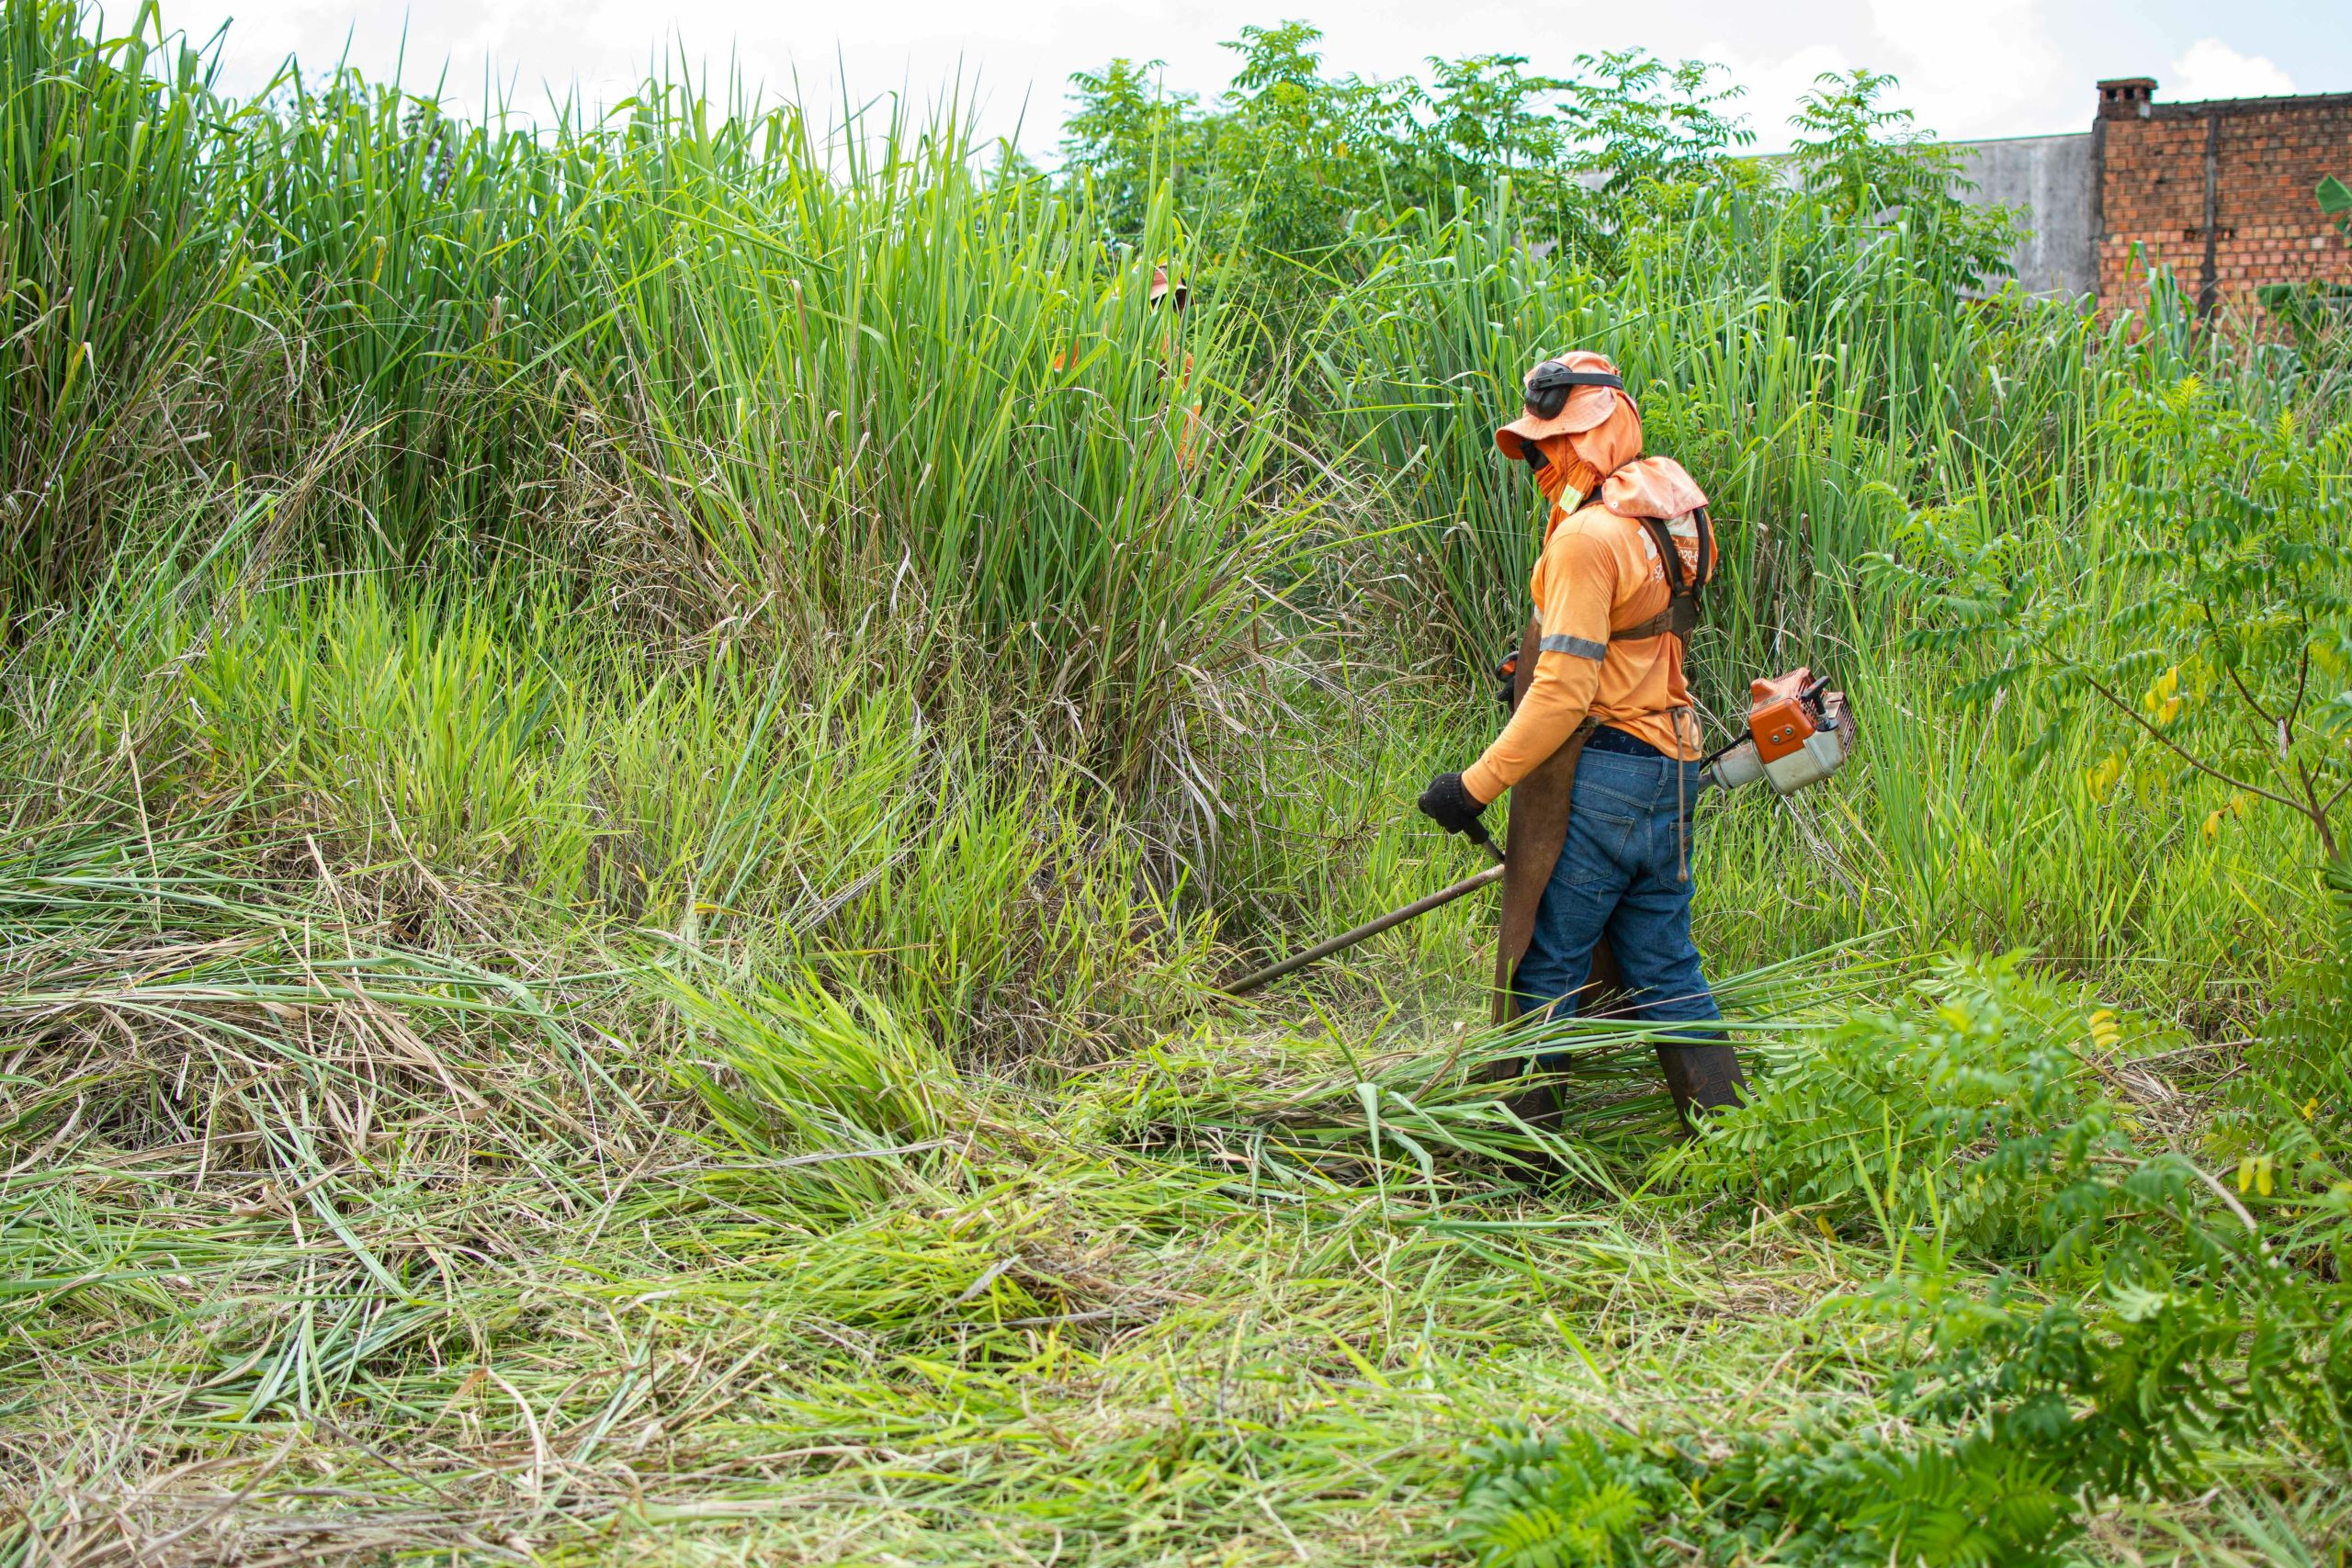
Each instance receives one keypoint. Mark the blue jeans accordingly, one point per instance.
(1620, 873)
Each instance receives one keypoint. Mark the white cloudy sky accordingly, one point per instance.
(1970, 68)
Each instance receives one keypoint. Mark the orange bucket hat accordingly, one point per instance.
(1598, 415)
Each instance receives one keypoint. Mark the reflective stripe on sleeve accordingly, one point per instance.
(1581, 647)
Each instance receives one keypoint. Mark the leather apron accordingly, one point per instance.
(1538, 832)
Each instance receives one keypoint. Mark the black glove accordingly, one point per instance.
(1450, 805)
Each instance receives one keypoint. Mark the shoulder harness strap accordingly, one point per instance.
(1681, 615)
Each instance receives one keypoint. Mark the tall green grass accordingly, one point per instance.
(836, 386)
(113, 264)
(732, 385)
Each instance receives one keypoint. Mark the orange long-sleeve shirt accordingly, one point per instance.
(1599, 571)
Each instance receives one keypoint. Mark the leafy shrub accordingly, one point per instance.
(1972, 1117)
(1855, 1498)
(2186, 1326)
(2204, 619)
(1807, 1494)
(2198, 1338)
(1291, 161)
(1564, 1501)
(1873, 164)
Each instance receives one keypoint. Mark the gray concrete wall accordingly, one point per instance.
(2053, 179)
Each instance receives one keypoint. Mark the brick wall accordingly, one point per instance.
(2221, 192)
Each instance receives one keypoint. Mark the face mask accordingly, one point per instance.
(1558, 470)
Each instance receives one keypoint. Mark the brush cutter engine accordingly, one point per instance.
(1799, 732)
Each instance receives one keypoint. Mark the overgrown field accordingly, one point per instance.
(631, 749)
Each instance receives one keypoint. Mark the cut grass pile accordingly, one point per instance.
(328, 1247)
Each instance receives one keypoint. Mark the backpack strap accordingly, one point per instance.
(1681, 615)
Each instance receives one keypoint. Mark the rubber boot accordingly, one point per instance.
(1701, 1078)
(1604, 991)
(1538, 1107)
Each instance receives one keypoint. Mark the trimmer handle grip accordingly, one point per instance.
(1477, 834)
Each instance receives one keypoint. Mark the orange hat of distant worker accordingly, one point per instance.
(1160, 288)
(1578, 395)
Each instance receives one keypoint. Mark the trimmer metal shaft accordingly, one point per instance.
(1371, 929)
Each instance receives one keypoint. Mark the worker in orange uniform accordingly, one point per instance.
(1175, 361)
(1602, 750)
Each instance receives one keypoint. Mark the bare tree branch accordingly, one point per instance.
(2230, 668)
(2128, 711)
(2318, 812)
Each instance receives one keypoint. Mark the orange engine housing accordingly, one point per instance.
(1776, 716)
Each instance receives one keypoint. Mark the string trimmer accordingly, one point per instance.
(1370, 928)
(1798, 733)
